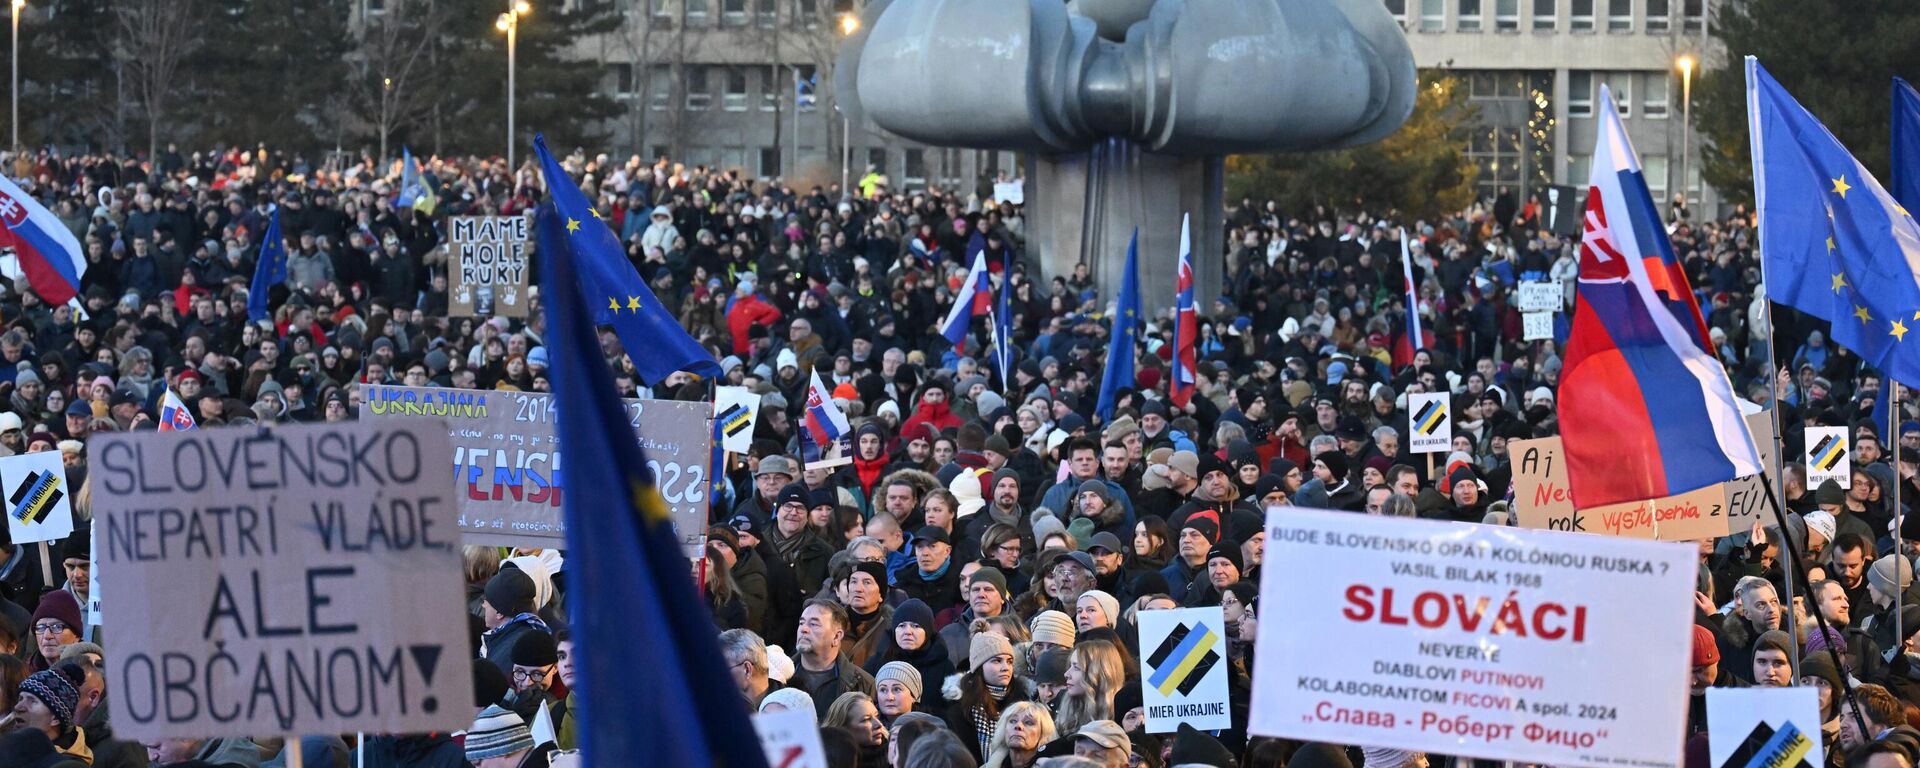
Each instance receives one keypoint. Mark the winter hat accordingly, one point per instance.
(1269, 483)
(535, 649)
(1187, 462)
(1881, 575)
(1120, 427)
(914, 611)
(791, 698)
(1821, 665)
(1051, 627)
(60, 606)
(992, 576)
(58, 688)
(1823, 639)
(1383, 757)
(984, 647)
(489, 683)
(1192, 746)
(1316, 755)
(1228, 551)
(1336, 462)
(510, 592)
(902, 672)
(1051, 667)
(1081, 529)
(497, 732)
(1109, 605)
(1775, 640)
(77, 650)
(1829, 493)
(965, 488)
(1048, 525)
(779, 664)
(1705, 650)
(1206, 521)
(988, 402)
(1822, 521)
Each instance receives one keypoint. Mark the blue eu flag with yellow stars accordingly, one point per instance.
(1833, 243)
(620, 298)
(1126, 320)
(269, 272)
(653, 688)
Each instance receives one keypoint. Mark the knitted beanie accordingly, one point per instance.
(497, 732)
(903, 672)
(1052, 627)
(57, 689)
(985, 646)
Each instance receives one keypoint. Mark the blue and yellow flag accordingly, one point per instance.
(653, 689)
(1833, 243)
(1126, 321)
(619, 296)
(270, 271)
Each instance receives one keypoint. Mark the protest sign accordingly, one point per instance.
(39, 503)
(506, 458)
(1432, 423)
(1746, 496)
(300, 580)
(1536, 326)
(1473, 640)
(791, 739)
(736, 408)
(1541, 297)
(1014, 191)
(1183, 677)
(1764, 726)
(1541, 500)
(1829, 457)
(488, 267)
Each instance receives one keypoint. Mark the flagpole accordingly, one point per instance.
(1794, 565)
(1893, 421)
(1780, 501)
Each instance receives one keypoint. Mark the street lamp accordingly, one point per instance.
(1686, 125)
(509, 23)
(15, 90)
(849, 24)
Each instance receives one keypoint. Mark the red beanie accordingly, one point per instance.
(1705, 650)
(1147, 378)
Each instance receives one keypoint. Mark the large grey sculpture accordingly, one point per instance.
(1127, 107)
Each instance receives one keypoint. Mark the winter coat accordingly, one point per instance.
(422, 750)
(960, 719)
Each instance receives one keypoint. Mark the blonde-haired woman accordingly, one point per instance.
(1024, 728)
(1095, 673)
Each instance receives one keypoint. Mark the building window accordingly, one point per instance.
(1497, 151)
(1619, 15)
(767, 13)
(623, 80)
(1579, 169)
(1579, 93)
(698, 95)
(659, 86)
(770, 92)
(806, 90)
(1654, 168)
(1433, 15)
(1398, 10)
(1581, 19)
(1659, 16)
(1653, 96)
(1621, 83)
(376, 7)
(662, 11)
(1693, 15)
(734, 12)
(1546, 14)
(697, 12)
(769, 162)
(916, 171)
(1469, 20)
(1506, 15)
(877, 159)
(734, 98)
(806, 13)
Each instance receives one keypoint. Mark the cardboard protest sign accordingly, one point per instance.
(1829, 457)
(1764, 726)
(487, 267)
(1474, 640)
(300, 580)
(506, 458)
(39, 503)
(1536, 326)
(1542, 501)
(1541, 297)
(1746, 496)
(1183, 674)
(1431, 423)
(791, 739)
(736, 408)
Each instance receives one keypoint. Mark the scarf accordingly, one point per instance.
(983, 725)
(870, 471)
(1011, 519)
(937, 573)
(525, 618)
(787, 546)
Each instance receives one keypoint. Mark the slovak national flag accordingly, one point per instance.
(174, 416)
(1186, 325)
(48, 252)
(975, 298)
(1645, 408)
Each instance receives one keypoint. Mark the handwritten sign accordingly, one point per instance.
(1542, 500)
(299, 580)
(487, 262)
(507, 459)
(1536, 326)
(1474, 640)
(1746, 496)
(1541, 297)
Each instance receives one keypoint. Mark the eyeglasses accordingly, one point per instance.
(50, 628)
(1012, 548)
(524, 675)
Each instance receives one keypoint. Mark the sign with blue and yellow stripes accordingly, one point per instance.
(1183, 672)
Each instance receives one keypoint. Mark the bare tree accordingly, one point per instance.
(391, 60)
(152, 38)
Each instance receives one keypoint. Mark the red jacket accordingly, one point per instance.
(746, 311)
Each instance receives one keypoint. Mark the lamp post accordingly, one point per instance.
(15, 90)
(1686, 125)
(509, 23)
(849, 24)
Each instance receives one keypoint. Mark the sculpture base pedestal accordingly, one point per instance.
(1086, 206)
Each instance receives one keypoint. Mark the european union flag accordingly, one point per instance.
(1906, 144)
(1003, 323)
(1126, 319)
(271, 271)
(653, 689)
(1834, 244)
(620, 298)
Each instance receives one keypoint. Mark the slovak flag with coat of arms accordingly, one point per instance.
(174, 416)
(47, 250)
(1645, 408)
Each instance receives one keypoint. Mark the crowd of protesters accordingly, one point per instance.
(966, 590)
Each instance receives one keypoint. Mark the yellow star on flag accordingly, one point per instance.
(573, 225)
(1840, 186)
(633, 303)
(595, 212)
(1899, 331)
(1860, 311)
(613, 304)
(1839, 282)
(1830, 244)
